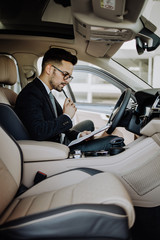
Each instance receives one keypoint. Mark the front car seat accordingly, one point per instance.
(8, 76)
(9, 120)
(97, 207)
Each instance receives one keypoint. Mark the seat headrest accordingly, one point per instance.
(8, 71)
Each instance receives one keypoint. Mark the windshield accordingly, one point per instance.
(146, 65)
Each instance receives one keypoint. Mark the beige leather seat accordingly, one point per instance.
(8, 76)
(9, 120)
(62, 206)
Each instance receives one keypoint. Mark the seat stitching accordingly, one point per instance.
(53, 195)
(33, 199)
(12, 211)
(73, 189)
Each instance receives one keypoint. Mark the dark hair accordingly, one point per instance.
(57, 55)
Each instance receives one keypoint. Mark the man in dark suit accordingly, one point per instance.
(42, 114)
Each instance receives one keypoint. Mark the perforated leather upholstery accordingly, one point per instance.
(98, 206)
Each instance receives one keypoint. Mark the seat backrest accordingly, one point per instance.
(8, 76)
(8, 118)
(10, 169)
(11, 123)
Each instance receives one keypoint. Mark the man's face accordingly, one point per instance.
(57, 78)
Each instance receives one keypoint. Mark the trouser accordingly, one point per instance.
(87, 125)
(104, 143)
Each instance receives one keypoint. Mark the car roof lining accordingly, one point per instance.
(53, 18)
(67, 20)
(25, 18)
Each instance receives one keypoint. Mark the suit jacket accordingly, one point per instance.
(34, 108)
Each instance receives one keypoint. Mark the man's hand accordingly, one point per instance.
(69, 107)
(84, 133)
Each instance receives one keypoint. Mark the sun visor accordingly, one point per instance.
(111, 10)
(107, 24)
(118, 10)
(103, 34)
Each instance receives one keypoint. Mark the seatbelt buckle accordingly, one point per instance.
(40, 176)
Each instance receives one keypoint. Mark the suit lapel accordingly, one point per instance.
(45, 94)
(59, 108)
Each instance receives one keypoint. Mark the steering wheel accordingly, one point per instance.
(119, 109)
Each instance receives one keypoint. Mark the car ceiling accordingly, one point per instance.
(70, 22)
(25, 18)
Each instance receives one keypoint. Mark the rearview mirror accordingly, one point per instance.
(146, 40)
(139, 46)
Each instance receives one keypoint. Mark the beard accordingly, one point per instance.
(58, 87)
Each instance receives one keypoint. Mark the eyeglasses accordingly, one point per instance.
(66, 76)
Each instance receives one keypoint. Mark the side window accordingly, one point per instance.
(95, 94)
(89, 87)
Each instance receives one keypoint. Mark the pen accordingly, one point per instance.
(65, 93)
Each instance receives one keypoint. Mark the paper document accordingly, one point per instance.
(78, 140)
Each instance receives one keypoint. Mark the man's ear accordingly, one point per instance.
(49, 69)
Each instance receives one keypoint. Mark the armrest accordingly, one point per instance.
(39, 151)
